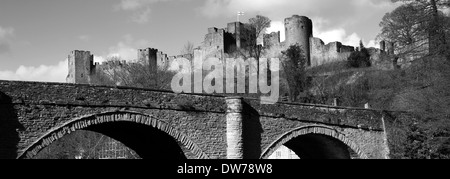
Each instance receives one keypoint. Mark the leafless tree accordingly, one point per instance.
(259, 24)
(131, 74)
(188, 48)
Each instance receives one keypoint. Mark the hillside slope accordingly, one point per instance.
(422, 88)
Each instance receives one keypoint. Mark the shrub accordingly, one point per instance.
(359, 59)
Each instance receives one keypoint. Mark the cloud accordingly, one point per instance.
(141, 9)
(99, 59)
(126, 49)
(134, 4)
(44, 73)
(340, 35)
(331, 35)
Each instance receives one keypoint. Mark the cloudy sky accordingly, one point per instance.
(37, 35)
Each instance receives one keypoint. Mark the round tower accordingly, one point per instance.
(299, 30)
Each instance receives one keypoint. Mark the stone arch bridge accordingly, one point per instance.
(178, 126)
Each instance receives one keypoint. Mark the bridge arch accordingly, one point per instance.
(124, 117)
(312, 133)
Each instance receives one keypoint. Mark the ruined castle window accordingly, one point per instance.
(303, 27)
(82, 75)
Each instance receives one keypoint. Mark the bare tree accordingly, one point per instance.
(120, 73)
(259, 24)
(188, 48)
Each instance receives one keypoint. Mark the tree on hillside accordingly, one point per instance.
(407, 27)
(294, 71)
(431, 16)
(359, 58)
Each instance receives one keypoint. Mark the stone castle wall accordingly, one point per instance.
(222, 43)
(82, 67)
(272, 39)
(332, 52)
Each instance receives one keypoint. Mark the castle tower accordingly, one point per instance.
(81, 67)
(299, 30)
(149, 56)
(235, 28)
(244, 34)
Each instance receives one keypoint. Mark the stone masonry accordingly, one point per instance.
(33, 115)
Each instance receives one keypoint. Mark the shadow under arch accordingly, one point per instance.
(111, 124)
(315, 142)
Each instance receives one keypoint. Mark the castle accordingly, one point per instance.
(220, 43)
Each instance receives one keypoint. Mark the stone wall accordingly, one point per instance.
(331, 52)
(272, 39)
(81, 64)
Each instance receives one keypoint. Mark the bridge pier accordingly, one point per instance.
(235, 135)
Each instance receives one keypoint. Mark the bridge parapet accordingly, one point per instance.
(106, 96)
(341, 116)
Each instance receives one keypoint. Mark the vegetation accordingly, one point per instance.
(360, 58)
(416, 26)
(188, 48)
(133, 75)
(294, 65)
(260, 24)
(421, 31)
(256, 27)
